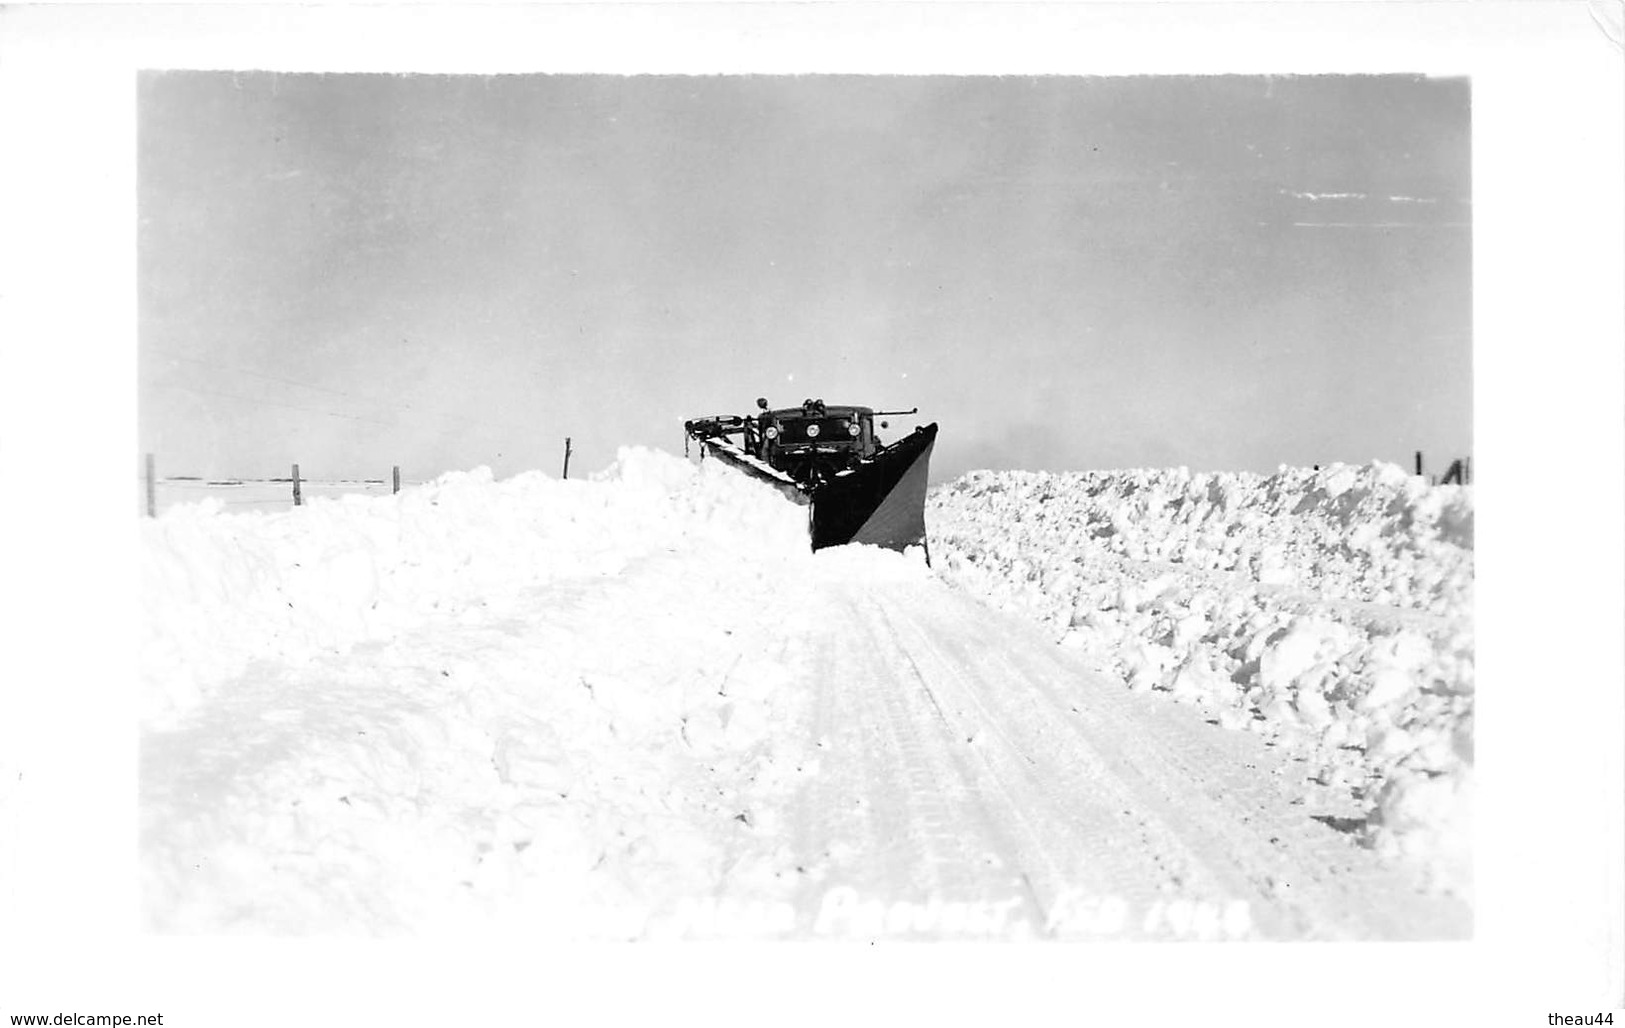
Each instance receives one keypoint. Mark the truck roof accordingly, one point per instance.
(830, 410)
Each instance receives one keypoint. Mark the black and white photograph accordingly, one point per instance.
(1057, 552)
(839, 509)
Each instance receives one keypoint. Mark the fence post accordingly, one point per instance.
(397, 479)
(152, 489)
(1418, 462)
(566, 456)
(297, 499)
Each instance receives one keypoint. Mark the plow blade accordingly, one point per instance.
(739, 460)
(879, 501)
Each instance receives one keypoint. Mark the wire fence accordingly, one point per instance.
(256, 494)
(270, 494)
(1459, 472)
(266, 494)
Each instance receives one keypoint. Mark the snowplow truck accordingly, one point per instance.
(828, 458)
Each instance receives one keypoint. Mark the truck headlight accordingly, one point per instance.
(772, 432)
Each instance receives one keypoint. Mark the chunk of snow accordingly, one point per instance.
(1335, 600)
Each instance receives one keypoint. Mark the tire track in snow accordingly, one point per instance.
(980, 734)
(1084, 837)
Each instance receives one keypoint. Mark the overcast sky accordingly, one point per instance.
(356, 271)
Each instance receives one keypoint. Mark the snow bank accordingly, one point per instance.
(530, 705)
(222, 590)
(1330, 610)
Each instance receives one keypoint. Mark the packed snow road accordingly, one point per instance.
(681, 724)
(965, 759)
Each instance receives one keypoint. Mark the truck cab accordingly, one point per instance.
(811, 442)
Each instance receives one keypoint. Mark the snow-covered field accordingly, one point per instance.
(636, 706)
